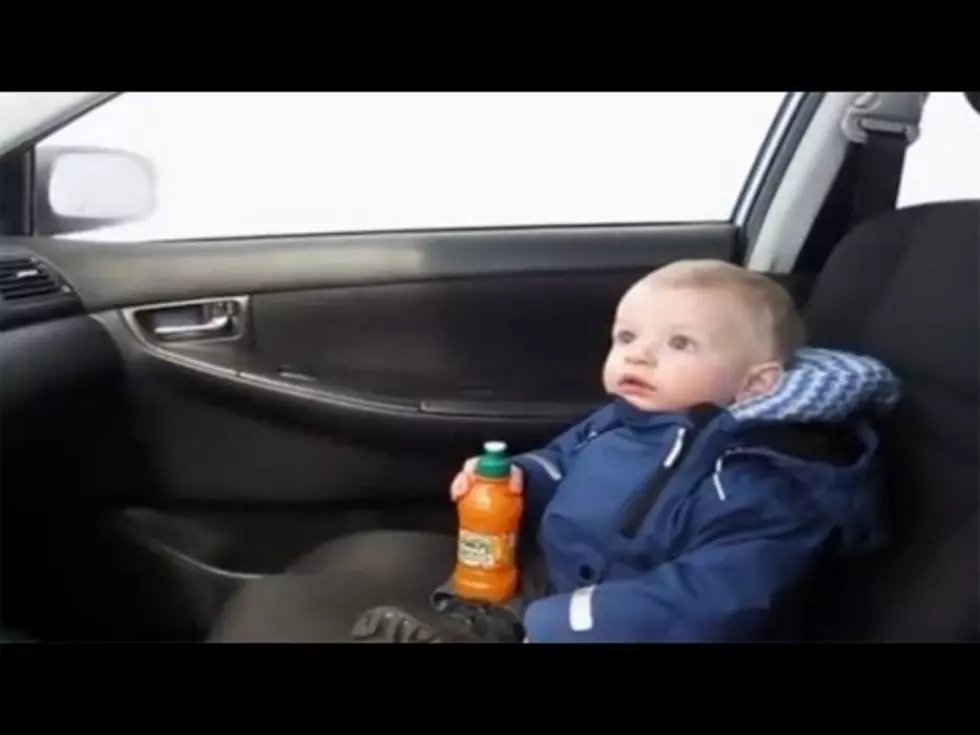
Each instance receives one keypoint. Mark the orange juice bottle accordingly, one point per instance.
(489, 522)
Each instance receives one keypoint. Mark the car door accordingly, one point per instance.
(335, 299)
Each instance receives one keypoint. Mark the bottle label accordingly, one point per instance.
(486, 551)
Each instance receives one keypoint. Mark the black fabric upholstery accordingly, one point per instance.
(904, 287)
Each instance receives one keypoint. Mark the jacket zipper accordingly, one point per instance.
(641, 507)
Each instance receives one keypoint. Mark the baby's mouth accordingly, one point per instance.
(634, 384)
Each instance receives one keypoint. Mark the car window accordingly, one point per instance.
(244, 164)
(941, 164)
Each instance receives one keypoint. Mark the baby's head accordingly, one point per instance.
(700, 331)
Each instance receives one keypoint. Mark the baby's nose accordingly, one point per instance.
(642, 355)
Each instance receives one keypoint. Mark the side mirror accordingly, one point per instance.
(85, 188)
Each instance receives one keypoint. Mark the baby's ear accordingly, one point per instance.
(760, 380)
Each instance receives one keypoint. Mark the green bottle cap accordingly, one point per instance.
(494, 462)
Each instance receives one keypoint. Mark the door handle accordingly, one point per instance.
(223, 318)
(217, 323)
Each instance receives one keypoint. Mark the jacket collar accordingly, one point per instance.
(693, 418)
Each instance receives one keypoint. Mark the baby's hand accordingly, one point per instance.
(463, 481)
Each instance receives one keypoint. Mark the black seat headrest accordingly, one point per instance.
(974, 99)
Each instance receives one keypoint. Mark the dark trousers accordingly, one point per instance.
(323, 594)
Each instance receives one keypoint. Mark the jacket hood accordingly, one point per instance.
(824, 385)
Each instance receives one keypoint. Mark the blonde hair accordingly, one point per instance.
(774, 314)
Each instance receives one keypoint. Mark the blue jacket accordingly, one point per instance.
(693, 526)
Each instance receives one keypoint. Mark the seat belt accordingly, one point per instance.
(880, 160)
(880, 130)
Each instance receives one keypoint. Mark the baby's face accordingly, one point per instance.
(676, 347)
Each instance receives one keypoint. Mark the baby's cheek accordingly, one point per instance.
(609, 374)
(698, 380)
(717, 383)
(608, 378)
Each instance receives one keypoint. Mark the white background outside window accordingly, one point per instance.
(239, 164)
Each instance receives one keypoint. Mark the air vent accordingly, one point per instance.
(22, 279)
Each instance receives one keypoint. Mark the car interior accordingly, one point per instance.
(180, 420)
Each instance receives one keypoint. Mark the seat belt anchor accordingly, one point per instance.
(891, 114)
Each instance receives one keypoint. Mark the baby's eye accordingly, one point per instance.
(680, 342)
(624, 336)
